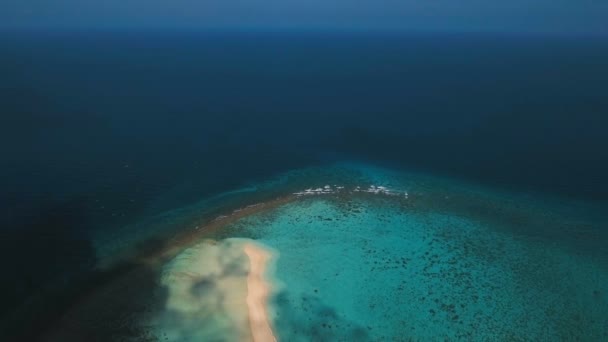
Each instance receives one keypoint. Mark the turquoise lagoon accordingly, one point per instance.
(363, 253)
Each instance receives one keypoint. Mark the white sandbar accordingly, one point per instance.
(258, 291)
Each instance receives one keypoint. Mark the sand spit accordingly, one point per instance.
(139, 266)
(217, 291)
(258, 291)
(131, 281)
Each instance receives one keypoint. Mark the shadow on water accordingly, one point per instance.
(43, 255)
(111, 307)
(52, 284)
(313, 320)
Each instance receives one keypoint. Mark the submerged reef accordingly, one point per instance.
(352, 252)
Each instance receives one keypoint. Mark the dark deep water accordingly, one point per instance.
(103, 128)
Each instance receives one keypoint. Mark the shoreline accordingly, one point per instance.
(187, 237)
(148, 260)
(125, 266)
(258, 292)
(236, 292)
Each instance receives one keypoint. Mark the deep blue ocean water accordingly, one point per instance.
(103, 129)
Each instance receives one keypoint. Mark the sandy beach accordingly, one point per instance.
(257, 294)
(217, 290)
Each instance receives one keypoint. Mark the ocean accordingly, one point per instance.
(108, 133)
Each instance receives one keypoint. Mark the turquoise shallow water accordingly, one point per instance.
(443, 263)
(367, 269)
(369, 254)
(116, 141)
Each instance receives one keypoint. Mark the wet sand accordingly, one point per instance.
(258, 291)
(125, 269)
(217, 290)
